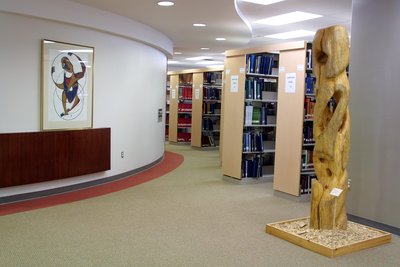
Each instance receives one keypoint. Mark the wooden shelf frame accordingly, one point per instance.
(234, 99)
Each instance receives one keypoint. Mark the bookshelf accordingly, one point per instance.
(167, 102)
(207, 108)
(251, 109)
(180, 108)
(195, 104)
(307, 172)
(295, 143)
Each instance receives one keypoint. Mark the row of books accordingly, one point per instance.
(259, 115)
(212, 93)
(211, 108)
(308, 134)
(209, 139)
(213, 77)
(260, 64)
(253, 142)
(184, 107)
(184, 121)
(307, 160)
(185, 92)
(256, 166)
(207, 124)
(309, 105)
(258, 88)
(306, 182)
(310, 83)
(309, 58)
(252, 167)
(184, 137)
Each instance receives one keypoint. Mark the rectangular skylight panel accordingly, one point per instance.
(291, 34)
(287, 18)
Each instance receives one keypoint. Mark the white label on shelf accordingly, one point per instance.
(227, 71)
(173, 94)
(300, 67)
(282, 69)
(290, 83)
(336, 192)
(241, 70)
(159, 115)
(234, 83)
(197, 94)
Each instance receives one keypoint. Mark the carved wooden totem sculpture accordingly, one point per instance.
(331, 128)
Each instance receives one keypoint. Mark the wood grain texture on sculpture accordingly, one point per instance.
(331, 128)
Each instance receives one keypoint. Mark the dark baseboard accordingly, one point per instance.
(380, 226)
(75, 187)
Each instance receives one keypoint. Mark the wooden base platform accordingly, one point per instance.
(330, 243)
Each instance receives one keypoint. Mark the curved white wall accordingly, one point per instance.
(129, 87)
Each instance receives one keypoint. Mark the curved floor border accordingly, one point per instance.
(170, 162)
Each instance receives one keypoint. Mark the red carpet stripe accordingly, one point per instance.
(170, 162)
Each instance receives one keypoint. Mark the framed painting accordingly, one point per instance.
(67, 86)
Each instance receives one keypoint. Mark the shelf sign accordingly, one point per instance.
(173, 94)
(234, 83)
(197, 94)
(282, 69)
(159, 115)
(336, 192)
(241, 70)
(290, 83)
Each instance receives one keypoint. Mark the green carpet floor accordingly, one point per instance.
(189, 217)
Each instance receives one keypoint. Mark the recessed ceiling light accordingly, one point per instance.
(199, 25)
(291, 34)
(288, 18)
(209, 62)
(199, 58)
(173, 62)
(177, 53)
(220, 39)
(165, 3)
(263, 2)
(204, 48)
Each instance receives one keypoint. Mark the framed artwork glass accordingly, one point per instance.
(67, 86)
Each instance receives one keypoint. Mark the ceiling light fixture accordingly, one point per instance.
(173, 62)
(177, 53)
(199, 58)
(209, 62)
(288, 18)
(291, 34)
(204, 48)
(199, 25)
(165, 3)
(220, 39)
(263, 2)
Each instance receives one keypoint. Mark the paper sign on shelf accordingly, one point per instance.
(290, 83)
(300, 67)
(282, 69)
(227, 71)
(336, 192)
(241, 70)
(173, 93)
(197, 94)
(234, 83)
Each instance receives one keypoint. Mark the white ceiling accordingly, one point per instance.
(222, 20)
